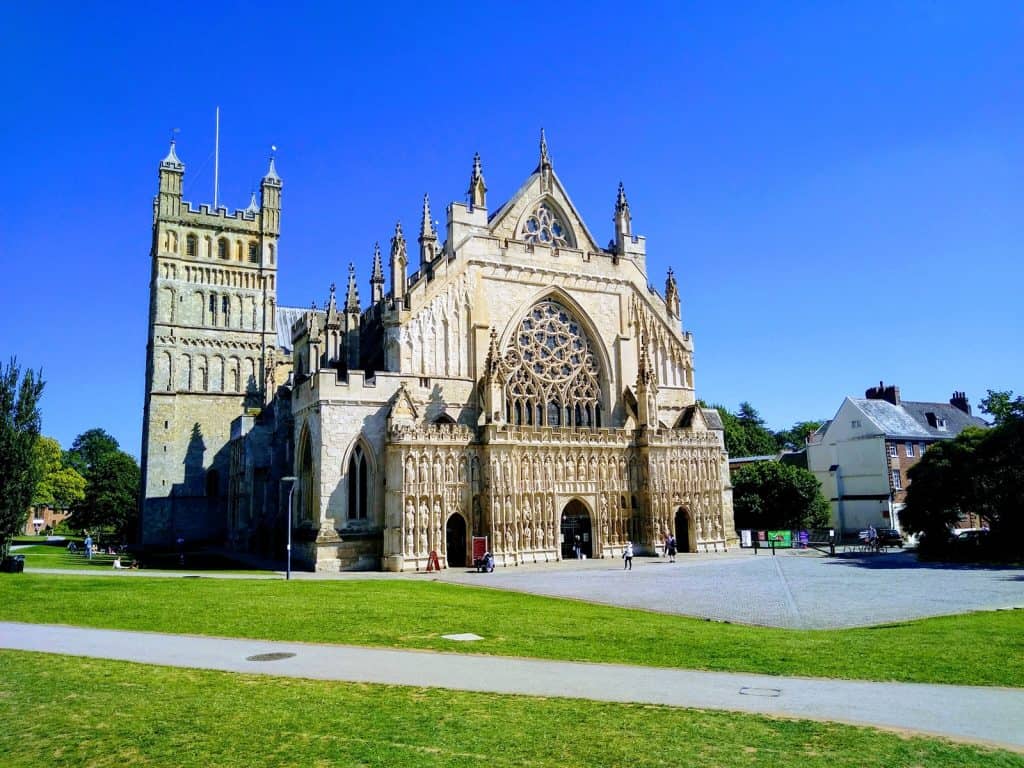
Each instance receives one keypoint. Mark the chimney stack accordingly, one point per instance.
(959, 400)
(890, 394)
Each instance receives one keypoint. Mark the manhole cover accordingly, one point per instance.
(771, 692)
(269, 656)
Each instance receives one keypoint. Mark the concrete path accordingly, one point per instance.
(993, 716)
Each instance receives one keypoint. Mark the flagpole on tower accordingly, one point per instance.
(216, 158)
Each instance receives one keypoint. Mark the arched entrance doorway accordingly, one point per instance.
(576, 529)
(455, 541)
(682, 530)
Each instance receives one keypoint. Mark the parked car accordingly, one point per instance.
(889, 537)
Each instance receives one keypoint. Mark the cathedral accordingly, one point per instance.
(524, 390)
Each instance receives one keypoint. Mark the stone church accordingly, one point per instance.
(522, 384)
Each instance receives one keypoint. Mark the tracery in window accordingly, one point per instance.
(544, 226)
(552, 375)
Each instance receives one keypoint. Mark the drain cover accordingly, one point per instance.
(269, 656)
(771, 692)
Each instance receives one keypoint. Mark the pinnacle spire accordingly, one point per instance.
(477, 188)
(272, 176)
(378, 266)
(332, 308)
(253, 205)
(352, 296)
(620, 199)
(172, 162)
(426, 226)
(545, 159)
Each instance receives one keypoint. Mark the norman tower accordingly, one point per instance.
(210, 349)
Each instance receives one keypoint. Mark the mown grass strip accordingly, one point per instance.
(970, 649)
(70, 711)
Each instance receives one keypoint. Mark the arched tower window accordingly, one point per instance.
(191, 245)
(254, 253)
(553, 378)
(358, 484)
(222, 248)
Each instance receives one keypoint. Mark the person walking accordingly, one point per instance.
(671, 548)
(627, 556)
(88, 546)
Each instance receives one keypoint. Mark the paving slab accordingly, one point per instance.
(795, 589)
(974, 714)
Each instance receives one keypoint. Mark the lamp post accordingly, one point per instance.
(291, 491)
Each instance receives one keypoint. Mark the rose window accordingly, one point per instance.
(552, 375)
(545, 227)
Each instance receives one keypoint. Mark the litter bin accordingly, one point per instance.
(13, 564)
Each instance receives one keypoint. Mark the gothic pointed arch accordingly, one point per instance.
(545, 223)
(360, 471)
(554, 375)
(305, 503)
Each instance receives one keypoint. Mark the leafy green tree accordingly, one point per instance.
(59, 485)
(19, 430)
(745, 433)
(795, 438)
(88, 448)
(111, 495)
(1002, 406)
(771, 495)
(978, 471)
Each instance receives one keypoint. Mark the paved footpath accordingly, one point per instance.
(993, 716)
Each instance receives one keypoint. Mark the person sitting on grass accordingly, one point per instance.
(117, 564)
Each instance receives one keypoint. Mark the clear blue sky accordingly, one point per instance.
(837, 185)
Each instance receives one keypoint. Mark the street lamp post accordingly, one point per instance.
(291, 491)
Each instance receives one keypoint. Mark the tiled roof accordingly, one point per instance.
(286, 316)
(910, 419)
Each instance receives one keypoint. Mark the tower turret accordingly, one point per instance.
(377, 276)
(477, 188)
(427, 238)
(352, 319)
(172, 170)
(270, 201)
(399, 264)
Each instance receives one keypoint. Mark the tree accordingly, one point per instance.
(1002, 406)
(795, 438)
(58, 485)
(978, 471)
(771, 495)
(745, 433)
(88, 448)
(19, 431)
(111, 496)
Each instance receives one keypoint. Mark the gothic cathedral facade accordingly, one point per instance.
(523, 386)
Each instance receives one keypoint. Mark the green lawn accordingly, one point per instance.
(971, 649)
(52, 556)
(68, 711)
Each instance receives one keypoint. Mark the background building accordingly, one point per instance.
(861, 457)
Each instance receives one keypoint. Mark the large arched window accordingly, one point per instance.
(358, 484)
(553, 378)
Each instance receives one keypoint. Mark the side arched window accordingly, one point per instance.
(358, 484)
